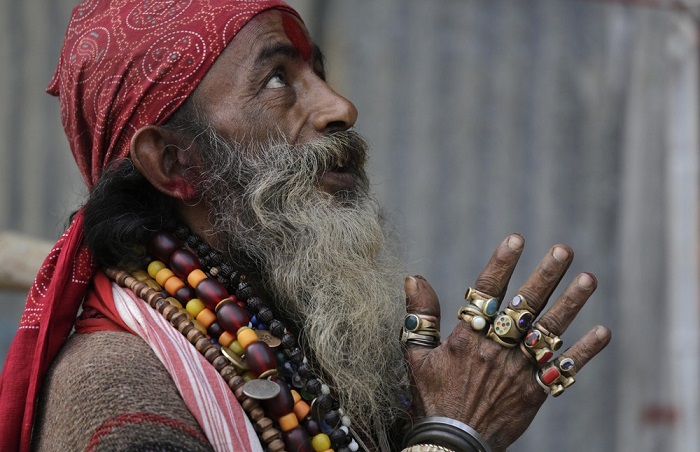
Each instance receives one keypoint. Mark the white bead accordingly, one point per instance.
(345, 420)
(345, 429)
(353, 446)
(478, 323)
(325, 389)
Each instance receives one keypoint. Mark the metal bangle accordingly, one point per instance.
(446, 432)
(426, 448)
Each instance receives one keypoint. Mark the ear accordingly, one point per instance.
(165, 159)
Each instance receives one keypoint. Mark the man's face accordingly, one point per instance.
(270, 82)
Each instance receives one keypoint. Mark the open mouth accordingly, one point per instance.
(337, 178)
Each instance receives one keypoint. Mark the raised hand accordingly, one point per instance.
(488, 378)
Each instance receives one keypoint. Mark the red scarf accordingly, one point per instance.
(124, 65)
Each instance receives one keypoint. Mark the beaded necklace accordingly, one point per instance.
(217, 310)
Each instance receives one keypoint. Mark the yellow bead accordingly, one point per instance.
(141, 275)
(163, 275)
(289, 421)
(321, 442)
(194, 306)
(154, 267)
(236, 348)
(153, 284)
(196, 277)
(249, 376)
(246, 336)
(199, 326)
(175, 302)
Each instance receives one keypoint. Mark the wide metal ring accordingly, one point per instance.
(519, 303)
(556, 376)
(415, 323)
(473, 317)
(428, 339)
(504, 331)
(487, 304)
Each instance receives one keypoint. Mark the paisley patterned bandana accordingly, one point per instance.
(124, 64)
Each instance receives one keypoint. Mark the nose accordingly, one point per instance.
(331, 112)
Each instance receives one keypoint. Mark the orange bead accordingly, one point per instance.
(173, 284)
(295, 395)
(154, 267)
(288, 422)
(246, 336)
(196, 277)
(206, 317)
(163, 275)
(226, 339)
(301, 410)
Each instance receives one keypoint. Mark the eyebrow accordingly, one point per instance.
(286, 50)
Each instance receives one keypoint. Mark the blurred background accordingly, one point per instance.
(570, 121)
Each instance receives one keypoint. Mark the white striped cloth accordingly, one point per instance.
(204, 391)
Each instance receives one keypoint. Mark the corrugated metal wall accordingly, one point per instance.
(568, 121)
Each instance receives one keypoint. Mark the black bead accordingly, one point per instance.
(202, 249)
(255, 304)
(182, 232)
(332, 418)
(324, 401)
(214, 257)
(289, 341)
(339, 438)
(277, 328)
(311, 426)
(215, 330)
(305, 370)
(296, 355)
(244, 291)
(264, 314)
(234, 278)
(313, 386)
(225, 270)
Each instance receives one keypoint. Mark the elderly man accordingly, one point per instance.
(236, 284)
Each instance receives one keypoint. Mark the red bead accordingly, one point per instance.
(297, 440)
(211, 292)
(231, 316)
(260, 358)
(544, 358)
(550, 375)
(163, 245)
(185, 294)
(183, 262)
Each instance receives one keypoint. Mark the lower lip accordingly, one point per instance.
(333, 181)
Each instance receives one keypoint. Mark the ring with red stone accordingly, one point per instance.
(504, 331)
(473, 317)
(556, 376)
(539, 344)
(519, 303)
(485, 303)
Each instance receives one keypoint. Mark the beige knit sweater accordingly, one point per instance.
(108, 391)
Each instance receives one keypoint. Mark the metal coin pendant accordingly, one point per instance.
(261, 389)
(271, 340)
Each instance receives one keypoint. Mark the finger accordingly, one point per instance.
(421, 298)
(542, 282)
(496, 275)
(558, 318)
(588, 346)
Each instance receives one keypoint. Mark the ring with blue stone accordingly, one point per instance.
(523, 319)
(487, 304)
(417, 322)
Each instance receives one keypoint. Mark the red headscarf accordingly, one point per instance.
(124, 64)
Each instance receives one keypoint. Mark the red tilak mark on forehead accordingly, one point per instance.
(297, 36)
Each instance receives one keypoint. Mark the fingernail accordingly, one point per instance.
(560, 254)
(601, 333)
(585, 281)
(515, 242)
(411, 286)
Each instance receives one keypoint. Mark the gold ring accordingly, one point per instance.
(519, 303)
(556, 376)
(540, 344)
(431, 340)
(504, 331)
(416, 323)
(487, 304)
(473, 317)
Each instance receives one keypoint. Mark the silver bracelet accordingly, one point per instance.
(426, 448)
(448, 433)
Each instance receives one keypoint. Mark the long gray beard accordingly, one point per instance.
(324, 259)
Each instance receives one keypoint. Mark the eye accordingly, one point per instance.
(277, 80)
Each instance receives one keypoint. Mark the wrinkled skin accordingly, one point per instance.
(473, 379)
